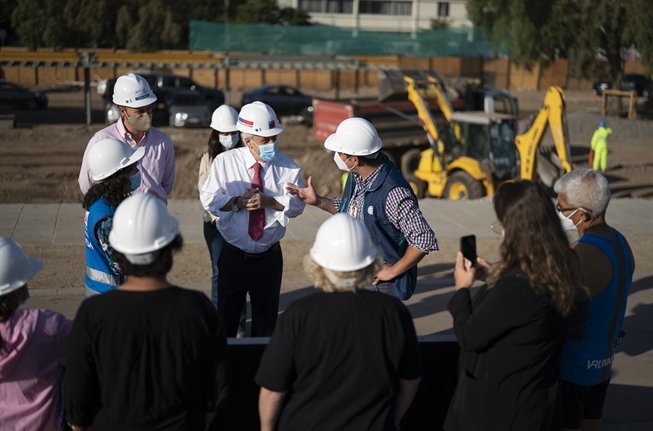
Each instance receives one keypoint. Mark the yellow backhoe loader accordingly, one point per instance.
(471, 153)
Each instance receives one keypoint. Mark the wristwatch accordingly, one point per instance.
(234, 206)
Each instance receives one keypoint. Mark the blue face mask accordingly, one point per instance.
(135, 181)
(228, 141)
(268, 151)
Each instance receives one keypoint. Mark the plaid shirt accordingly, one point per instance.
(401, 209)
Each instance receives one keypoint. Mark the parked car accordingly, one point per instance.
(18, 97)
(162, 85)
(188, 108)
(285, 100)
(631, 81)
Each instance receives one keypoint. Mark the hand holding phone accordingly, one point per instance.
(468, 248)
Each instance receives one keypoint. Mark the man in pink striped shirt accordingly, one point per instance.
(135, 99)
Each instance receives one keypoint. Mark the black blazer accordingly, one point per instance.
(510, 340)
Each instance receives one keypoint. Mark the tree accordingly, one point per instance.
(156, 28)
(579, 30)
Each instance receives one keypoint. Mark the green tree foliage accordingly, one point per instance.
(155, 29)
(579, 30)
(40, 23)
(139, 25)
(267, 12)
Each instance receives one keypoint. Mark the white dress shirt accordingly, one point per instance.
(231, 175)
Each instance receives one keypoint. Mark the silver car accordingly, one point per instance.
(187, 108)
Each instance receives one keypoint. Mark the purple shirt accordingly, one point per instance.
(31, 367)
(157, 167)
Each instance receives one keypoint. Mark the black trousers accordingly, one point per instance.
(258, 274)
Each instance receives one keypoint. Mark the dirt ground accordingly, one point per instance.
(39, 163)
(39, 160)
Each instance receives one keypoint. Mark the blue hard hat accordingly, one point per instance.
(602, 123)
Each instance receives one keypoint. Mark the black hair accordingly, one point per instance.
(159, 268)
(9, 303)
(215, 147)
(114, 189)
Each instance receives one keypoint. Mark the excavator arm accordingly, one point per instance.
(534, 159)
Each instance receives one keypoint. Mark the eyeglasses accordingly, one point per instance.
(560, 209)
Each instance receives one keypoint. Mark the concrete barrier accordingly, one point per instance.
(429, 408)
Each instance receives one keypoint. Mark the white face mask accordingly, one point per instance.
(228, 141)
(342, 165)
(567, 223)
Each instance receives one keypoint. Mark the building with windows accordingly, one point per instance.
(384, 15)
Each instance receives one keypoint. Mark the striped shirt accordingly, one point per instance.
(401, 209)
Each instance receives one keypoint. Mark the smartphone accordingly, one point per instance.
(468, 248)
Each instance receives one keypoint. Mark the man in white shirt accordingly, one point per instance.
(246, 191)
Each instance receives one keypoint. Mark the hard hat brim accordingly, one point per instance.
(214, 126)
(277, 130)
(137, 103)
(138, 154)
(332, 143)
(36, 266)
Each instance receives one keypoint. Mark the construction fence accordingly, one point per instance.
(48, 69)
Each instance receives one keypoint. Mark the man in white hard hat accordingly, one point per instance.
(377, 195)
(135, 100)
(246, 191)
(344, 346)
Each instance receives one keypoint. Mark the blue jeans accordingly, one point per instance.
(215, 243)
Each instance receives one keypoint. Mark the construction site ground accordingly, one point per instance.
(40, 208)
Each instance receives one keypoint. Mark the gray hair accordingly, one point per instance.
(245, 136)
(340, 281)
(585, 188)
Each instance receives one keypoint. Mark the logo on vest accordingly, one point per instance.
(370, 210)
(597, 364)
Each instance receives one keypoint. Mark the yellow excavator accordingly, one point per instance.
(472, 152)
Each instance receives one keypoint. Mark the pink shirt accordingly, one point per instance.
(157, 167)
(31, 367)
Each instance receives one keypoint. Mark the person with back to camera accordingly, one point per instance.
(113, 167)
(32, 349)
(149, 355)
(377, 195)
(245, 189)
(511, 334)
(594, 327)
(345, 358)
(135, 100)
(224, 137)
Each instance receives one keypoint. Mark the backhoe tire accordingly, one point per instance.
(417, 186)
(461, 186)
(409, 163)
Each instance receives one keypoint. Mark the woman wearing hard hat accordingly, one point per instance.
(224, 137)
(149, 355)
(347, 358)
(32, 349)
(113, 166)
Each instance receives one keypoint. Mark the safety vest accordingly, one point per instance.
(594, 328)
(385, 236)
(99, 277)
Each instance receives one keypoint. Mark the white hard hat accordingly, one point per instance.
(224, 119)
(258, 119)
(16, 267)
(141, 226)
(133, 91)
(343, 244)
(108, 156)
(354, 136)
